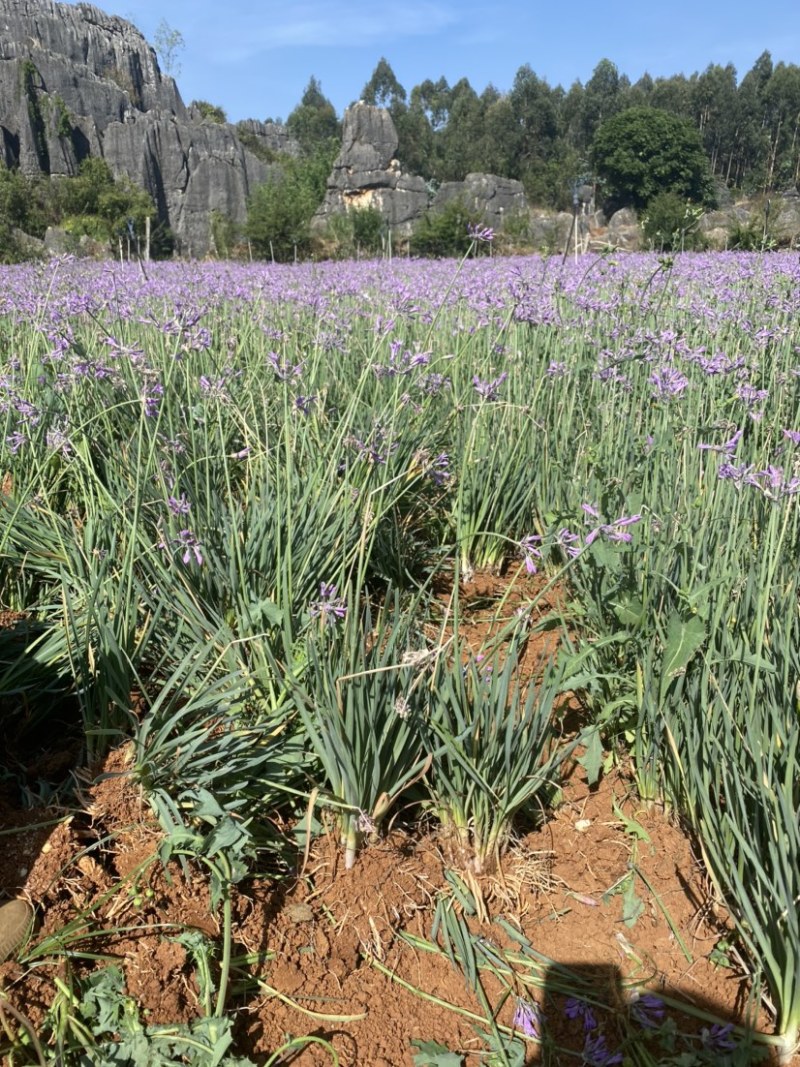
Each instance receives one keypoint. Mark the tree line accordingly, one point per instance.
(544, 136)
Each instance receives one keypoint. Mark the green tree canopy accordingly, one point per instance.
(280, 210)
(313, 122)
(383, 89)
(642, 152)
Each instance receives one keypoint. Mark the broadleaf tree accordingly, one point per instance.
(642, 151)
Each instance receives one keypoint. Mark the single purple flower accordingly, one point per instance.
(596, 1052)
(215, 390)
(617, 530)
(527, 1018)
(330, 607)
(152, 400)
(566, 539)
(489, 390)
(530, 551)
(648, 1011)
(612, 531)
(15, 441)
(718, 1038)
(188, 545)
(729, 447)
(179, 505)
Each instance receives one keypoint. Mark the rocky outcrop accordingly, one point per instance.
(266, 139)
(76, 82)
(366, 174)
(754, 223)
(191, 169)
(495, 199)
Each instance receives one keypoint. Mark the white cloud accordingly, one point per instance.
(319, 24)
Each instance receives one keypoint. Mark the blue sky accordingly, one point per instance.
(254, 57)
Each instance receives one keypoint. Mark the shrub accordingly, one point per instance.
(445, 232)
(280, 210)
(209, 112)
(671, 223)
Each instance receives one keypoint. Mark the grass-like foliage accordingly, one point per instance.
(360, 695)
(495, 748)
(230, 496)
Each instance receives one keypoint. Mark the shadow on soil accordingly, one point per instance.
(591, 1019)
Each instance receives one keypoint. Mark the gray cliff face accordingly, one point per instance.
(76, 82)
(191, 169)
(267, 136)
(73, 44)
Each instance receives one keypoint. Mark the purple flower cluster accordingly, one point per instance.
(668, 383)
(617, 530)
(596, 1052)
(753, 400)
(401, 362)
(773, 482)
(480, 233)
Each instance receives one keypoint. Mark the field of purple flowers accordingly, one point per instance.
(231, 490)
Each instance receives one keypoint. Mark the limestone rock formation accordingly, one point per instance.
(191, 169)
(366, 175)
(624, 231)
(266, 138)
(76, 82)
(494, 198)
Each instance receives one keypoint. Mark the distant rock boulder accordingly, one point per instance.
(493, 198)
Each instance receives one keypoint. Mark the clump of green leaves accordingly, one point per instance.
(495, 748)
(209, 112)
(280, 210)
(644, 151)
(445, 232)
(670, 223)
(361, 702)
